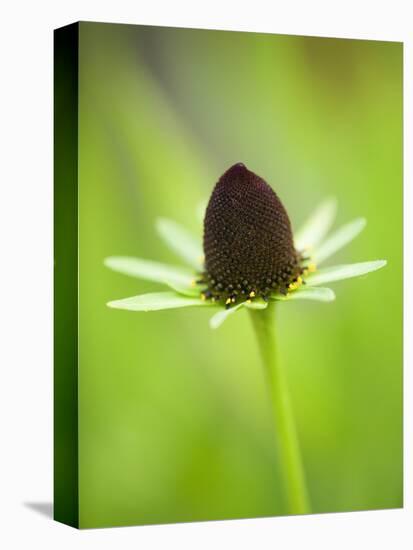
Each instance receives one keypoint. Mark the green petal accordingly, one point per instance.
(181, 242)
(339, 272)
(194, 291)
(256, 304)
(339, 239)
(317, 226)
(148, 270)
(156, 301)
(308, 293)
(217, 319)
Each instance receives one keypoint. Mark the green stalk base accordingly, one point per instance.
(285, 432)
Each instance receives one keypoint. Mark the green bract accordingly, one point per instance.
(311, 240)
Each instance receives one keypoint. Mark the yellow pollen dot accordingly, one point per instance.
(203, 297)
(248, 301)
(232, 300)
(228, 301)
(312, 267)
(252, 294)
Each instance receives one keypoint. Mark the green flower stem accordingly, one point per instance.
(286, 436)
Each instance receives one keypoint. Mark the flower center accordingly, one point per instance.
(248, 242)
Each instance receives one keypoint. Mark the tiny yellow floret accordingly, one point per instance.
(310, 268)
(203, 297)
(228, 301)
(252, 294)
(296, 284)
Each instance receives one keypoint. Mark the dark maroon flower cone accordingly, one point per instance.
(248, 242)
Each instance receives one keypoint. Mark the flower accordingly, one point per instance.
(251, 257)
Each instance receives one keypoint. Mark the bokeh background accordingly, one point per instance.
(174, 420)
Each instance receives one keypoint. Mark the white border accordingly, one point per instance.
(25, 275)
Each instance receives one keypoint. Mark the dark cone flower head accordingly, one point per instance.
(248, 242)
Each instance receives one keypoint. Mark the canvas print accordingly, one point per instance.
(228, 275)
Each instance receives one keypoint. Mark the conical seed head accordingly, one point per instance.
(248, 242)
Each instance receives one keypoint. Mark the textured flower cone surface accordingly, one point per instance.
(248, 242)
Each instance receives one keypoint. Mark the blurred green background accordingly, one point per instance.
(174, 419)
